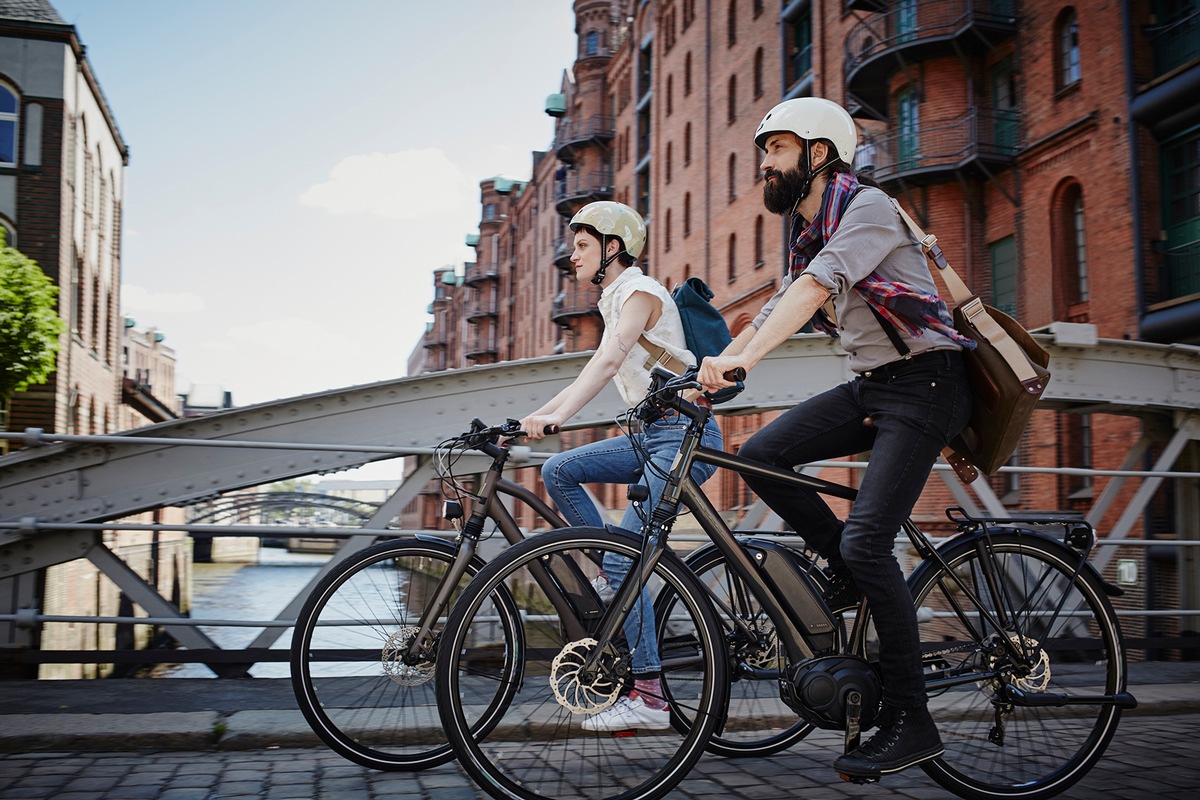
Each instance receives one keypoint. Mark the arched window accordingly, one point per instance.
(687, 214)
(1067, 34)
(687, 74)
(593, 43)
(687, 144)
(732, 177)
(732, 23)
(731, 107)
(667, 166)
(9, 106)
(670, 94)
(667, 233)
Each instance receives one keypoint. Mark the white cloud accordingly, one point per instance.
(407, 185)
(136, 299)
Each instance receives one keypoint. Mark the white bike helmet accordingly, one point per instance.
(811, 118)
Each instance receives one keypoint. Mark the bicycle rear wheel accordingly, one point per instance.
(538, 748)
(758, 722)
(1063, 625)
(350, 683)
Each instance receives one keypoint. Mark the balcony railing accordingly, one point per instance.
(1181, 270)
(943, 145)
(562, 253)
(574, 190)
(928, 28)
(480, 306)
(1176, 42)
(474, 272)
(573, 302)
(482, 343)
(576, 133)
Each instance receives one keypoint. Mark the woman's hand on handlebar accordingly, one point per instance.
(539, 426)
(717, 372)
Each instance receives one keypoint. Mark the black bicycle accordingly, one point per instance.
(365, 641)
(1024, 659)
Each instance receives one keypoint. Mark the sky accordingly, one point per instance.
(298, 169)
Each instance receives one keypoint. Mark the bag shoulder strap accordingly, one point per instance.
(934, 254)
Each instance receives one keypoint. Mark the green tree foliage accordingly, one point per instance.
(29, 322)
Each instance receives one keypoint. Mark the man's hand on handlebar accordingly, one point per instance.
(717, 372)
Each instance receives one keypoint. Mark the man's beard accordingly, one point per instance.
(781, 195)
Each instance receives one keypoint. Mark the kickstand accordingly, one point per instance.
(853, 719)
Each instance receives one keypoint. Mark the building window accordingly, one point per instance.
(731, 102)
(667, 233)
(8, 126)
(1179, 160)
(758, 8)
(758, 242)
(593, 43)
(908, 122)
(687, 144)
(758, 73)
(670, 94)
(732, 23)
(732, 257)
(799, 46)
(689, 12)
(1069, 253)
(687, 74)
(1067, 32)
(643, 192)
(667, 166)
(687, 214)
(1077, 439)
(645, 70)
(1004, 275)
(732, 177)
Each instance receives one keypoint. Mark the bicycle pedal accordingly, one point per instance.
(857, 778)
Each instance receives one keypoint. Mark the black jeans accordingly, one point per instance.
(916, 407)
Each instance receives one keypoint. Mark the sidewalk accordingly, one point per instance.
(253, 713)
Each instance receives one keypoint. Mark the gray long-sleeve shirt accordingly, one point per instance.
(870, 238)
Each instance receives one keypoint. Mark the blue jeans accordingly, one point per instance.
(615, 461)
(916, 407)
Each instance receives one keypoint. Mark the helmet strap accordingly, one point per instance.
(809, 173)
(598, 278)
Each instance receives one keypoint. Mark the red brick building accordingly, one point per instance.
(1054, 148)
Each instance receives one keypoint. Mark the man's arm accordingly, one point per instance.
(795, 308)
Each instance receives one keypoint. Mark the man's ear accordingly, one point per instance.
(818, 153)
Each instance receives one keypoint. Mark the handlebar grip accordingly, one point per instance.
(736, 374)
(550, 430)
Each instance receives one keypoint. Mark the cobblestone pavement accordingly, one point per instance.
(1152, 757)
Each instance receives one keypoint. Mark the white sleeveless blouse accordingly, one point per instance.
(633, 378)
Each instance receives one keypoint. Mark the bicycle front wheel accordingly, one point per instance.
(539, 747)
(348, 672)
(757, 721)
(1015, 616)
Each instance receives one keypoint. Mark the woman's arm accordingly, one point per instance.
(600, 369)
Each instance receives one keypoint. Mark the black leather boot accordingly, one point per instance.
(906, 737)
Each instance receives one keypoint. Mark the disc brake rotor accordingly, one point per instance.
(1036, 679)
(393, 660)
(575, 691)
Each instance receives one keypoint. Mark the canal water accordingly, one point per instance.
(256, 591)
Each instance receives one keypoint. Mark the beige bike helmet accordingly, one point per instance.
(609, 218)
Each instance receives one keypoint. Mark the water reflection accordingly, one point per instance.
(244, 592)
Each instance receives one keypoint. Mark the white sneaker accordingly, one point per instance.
(629, 713)
(603, 588)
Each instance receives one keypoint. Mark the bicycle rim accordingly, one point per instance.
(1072, 644)
(538, 748)
(757, 721)
(350, 683)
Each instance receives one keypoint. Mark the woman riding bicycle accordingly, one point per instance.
(641, 326)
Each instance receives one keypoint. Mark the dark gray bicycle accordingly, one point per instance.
(1024, 658)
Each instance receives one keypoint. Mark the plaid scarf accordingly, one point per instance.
(903, 306)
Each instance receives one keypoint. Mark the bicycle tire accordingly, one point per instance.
(538, 749)
(358, 698)
(757, 721)
(1061, 616)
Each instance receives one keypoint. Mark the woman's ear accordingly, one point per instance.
(613, 247)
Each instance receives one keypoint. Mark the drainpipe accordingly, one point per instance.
(1139, 260)
(708, 149)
